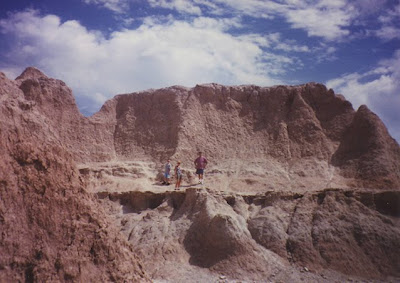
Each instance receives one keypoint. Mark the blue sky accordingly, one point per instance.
(101, 48)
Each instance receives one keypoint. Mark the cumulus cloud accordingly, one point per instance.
(378, 88)
(323, 21)
(151, 56)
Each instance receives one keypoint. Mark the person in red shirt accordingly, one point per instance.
(200, 164)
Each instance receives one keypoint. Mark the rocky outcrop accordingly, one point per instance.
(300, 135)
(88, 139)
(367, 152)
(51, 228)
(260, 237)
(298, 181)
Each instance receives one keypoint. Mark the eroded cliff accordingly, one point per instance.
(300, 186)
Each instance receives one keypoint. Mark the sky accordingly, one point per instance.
(102, 48)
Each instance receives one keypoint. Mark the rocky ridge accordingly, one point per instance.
(298, 181)
(302, 136)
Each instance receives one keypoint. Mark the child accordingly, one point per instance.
(167, 173)
(178, 175)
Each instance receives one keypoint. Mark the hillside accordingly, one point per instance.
(51, 229)
(299, 185)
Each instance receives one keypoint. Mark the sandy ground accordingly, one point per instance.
(230, 176)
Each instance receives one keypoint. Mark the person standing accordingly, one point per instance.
(200, 164)
(167, 173)
(178, 175)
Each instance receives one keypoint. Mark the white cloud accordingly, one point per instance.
(359, 92)
(378, 88)
(99, 98)
(210, 6)
(182, 6)
(331, 20)
(328, 23)
(388, 32)
(368, 7)
(391, 15)
(390, 24)
(325, 52)
(275, 41)
(327, 19)
(151, 56)
(117, 6)
(222, 24)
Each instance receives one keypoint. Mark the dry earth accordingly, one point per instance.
(299, 187)
(51, 228)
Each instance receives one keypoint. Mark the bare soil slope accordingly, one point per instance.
(202, 234)
(52, 230)
(294, 137)
(300, 186)
(285, 137)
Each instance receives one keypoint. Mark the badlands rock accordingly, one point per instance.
(51, 228)
(300, 186)
(285, 137)
(258, 237)
(87, 139)
(365, 149)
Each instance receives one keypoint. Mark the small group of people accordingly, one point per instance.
(200, 164)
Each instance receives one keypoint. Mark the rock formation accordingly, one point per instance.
(300, 186)
(257, 237)
(51, 228)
